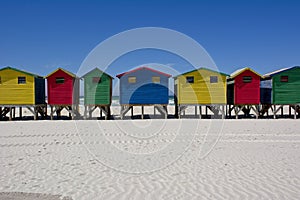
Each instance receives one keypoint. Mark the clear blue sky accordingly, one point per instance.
(39, 36)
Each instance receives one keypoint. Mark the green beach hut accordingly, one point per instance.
(97, 92)
(280, 88)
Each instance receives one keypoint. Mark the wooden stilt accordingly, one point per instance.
(72, 112)
(295, 112)
(257, 111)
(236, 112)
(85, 112)
(14, 112)
(10, 114)
(223, 111)
(200, 111)
(142, 112)
(51, 113)
(35, 113)
(274, 112)
(90, 112)
(196, 110)
(20, 112)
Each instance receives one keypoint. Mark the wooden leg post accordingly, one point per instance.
(10, 114)
(20, 112)
(200, 111)
(35, 113)
(223, 111)
(51, 112)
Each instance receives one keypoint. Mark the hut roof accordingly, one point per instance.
(67, 72)
(239, 71)
(141, 68)
(201, 68)
(21, 71)
(96, 69)
(279, 71)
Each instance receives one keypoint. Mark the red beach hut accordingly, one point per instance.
(243, 91)
(63, 92)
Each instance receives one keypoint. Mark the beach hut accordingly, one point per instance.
(243, 91)
(63, 92)
(200, 87)
(280, 88)
(144, 86)
(19, 88)
(97, 92)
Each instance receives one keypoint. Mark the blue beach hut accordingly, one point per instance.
(144, 87)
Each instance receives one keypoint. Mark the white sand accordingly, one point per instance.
(150, 159)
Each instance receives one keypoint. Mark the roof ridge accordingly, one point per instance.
(140, 68)
(22, 71)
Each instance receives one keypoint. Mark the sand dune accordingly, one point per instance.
(151, 159)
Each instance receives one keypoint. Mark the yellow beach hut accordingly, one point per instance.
(21, 89)
(200, 87)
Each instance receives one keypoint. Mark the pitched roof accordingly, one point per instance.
(141, 68)
(202, 68)
(21, 71)
(67, 72)
(239, 71)
(96, 69)
(279, 71)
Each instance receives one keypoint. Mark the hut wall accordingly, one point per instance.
(143, 91)
(266, 91)
(247, 92)
(287, 92)
(39, 86)
(13, 93)
(97, 93)
(202, 91)
(60, 93)
(230, 93)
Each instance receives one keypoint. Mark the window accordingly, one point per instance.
(284, 79)
(96, 80)
(247, 79)
(213, 79)
(189, 79)
(21, 80)
(155, 79)
(132, 79)
(60, 80)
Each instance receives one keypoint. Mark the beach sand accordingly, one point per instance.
(151, 159)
